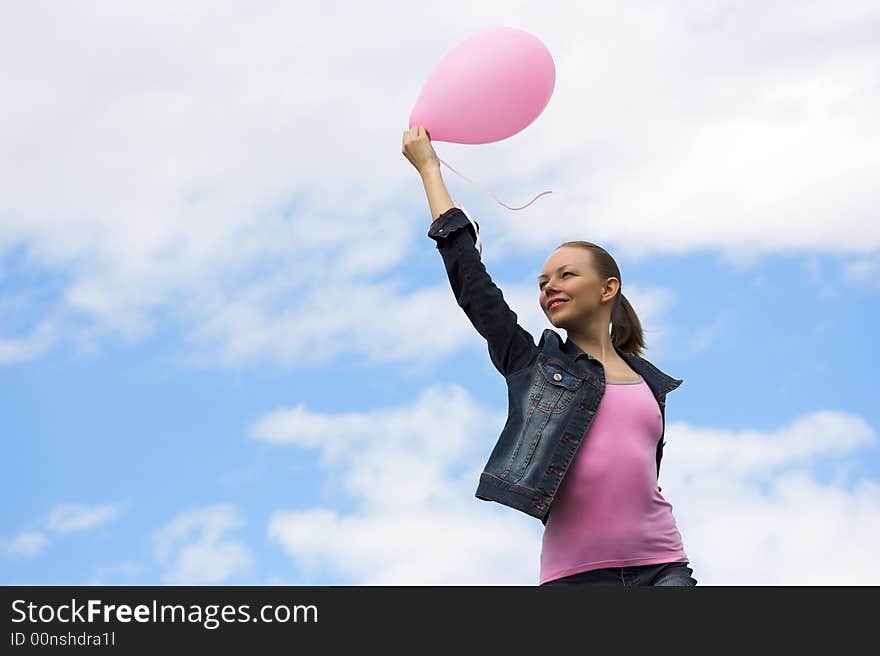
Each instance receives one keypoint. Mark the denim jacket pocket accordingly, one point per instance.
(554, 386)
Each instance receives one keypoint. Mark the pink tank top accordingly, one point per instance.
(608, 510)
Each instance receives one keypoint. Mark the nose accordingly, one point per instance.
(549, 290)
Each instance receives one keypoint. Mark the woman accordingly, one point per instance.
(606, 522)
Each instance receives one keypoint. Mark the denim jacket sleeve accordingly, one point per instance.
(511, 347)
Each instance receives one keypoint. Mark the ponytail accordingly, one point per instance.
(626, 329)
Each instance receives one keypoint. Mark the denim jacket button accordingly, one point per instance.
(557, 376)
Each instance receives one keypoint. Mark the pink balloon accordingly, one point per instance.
(487, 88)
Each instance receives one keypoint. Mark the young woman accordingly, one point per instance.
(605, 520)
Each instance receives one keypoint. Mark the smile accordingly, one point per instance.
(554, 304)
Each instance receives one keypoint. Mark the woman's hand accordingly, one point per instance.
(418, 150)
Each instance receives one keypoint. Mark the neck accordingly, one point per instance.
(594, 340)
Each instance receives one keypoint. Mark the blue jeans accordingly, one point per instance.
(660, 574)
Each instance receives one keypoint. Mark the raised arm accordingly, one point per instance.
(511, 347)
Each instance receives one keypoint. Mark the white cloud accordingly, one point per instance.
(195, 548)
(372, 443)
(27, 544)
(69, 517)
(748, 504)
(161, 195)
(752, 510)
(703, 337)
(863, 271)
(446, 545)
(412, 478)
(63, 518)
(720, 452)
(39, 340)
(392, 326)
(106, 574)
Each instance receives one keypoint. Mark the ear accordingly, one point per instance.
(610, 288)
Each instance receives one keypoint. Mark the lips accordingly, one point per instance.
(556, 302)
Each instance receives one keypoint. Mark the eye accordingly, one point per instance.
(541, 285)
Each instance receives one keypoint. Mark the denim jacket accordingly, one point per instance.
(553, 389)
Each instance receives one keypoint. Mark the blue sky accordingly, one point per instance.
(229, 352)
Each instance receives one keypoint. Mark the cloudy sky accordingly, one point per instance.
(229, 353)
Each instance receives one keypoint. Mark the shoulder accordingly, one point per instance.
(668, 381)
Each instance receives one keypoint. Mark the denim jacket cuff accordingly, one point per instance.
(449, 222)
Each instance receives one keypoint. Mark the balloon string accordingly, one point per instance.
(493, 195)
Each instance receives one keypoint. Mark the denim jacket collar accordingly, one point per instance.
(662, 382)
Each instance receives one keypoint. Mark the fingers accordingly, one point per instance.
(414, 133)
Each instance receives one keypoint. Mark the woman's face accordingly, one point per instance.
(568, 275)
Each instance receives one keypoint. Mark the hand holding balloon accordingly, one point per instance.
(418, 150)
